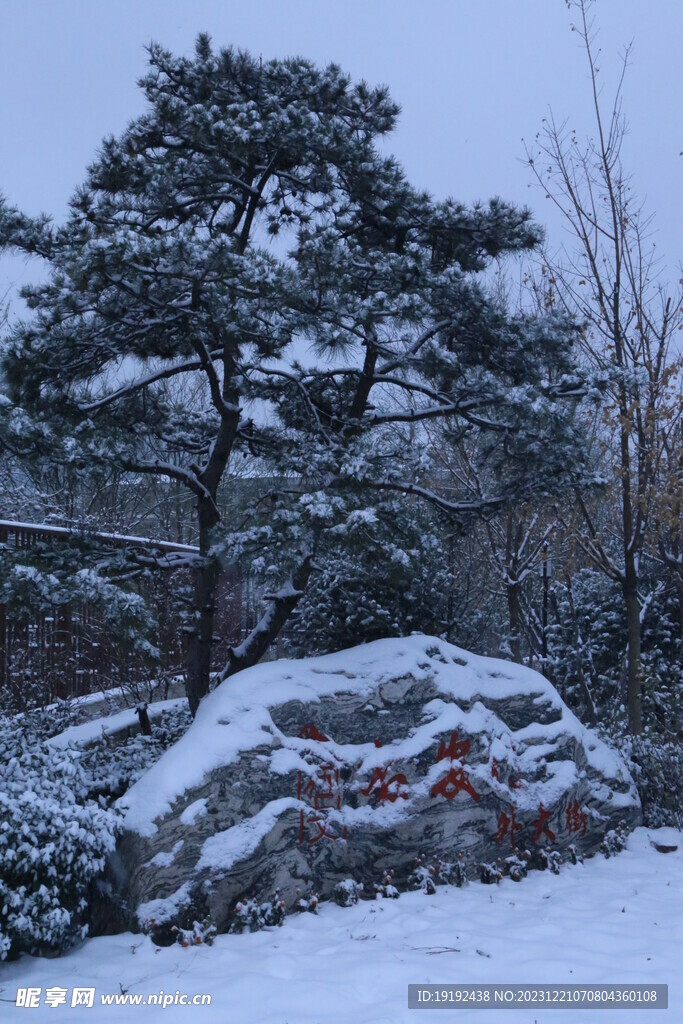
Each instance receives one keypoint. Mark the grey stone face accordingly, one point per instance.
(298, 775)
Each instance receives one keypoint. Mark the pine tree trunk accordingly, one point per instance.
(198, 674)
(266, 631)
(207, 573)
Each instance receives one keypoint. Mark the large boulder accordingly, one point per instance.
(296, 775)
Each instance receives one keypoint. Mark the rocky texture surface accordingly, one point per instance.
(296, 775)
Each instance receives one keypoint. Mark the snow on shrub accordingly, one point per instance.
(427, 876)
(516, 867)
(657, 767)
(252, 916)
(386, 890)
(422, 878)
(111, 766)
(53, 841)
(614, 842)
(347, 892)
(201, 933)
(490, 874)
(55, 828)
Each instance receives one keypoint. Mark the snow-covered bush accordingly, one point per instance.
(546, 860)
(53, 842)
(657, 768)
(574, 856)
(56, 827)
(308, 904)
(201, 933)
(490, 874)
(111, 767)
(347, 893)
(252, 916)
(386, 890)
(614, 842)
(516, 867)
(422, 877)
(587, 664)
(427, 876)
(586, 642)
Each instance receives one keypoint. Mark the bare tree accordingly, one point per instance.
(612, 280)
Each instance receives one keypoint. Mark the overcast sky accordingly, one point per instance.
(472, 76)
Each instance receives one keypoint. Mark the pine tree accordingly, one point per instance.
(243, 272)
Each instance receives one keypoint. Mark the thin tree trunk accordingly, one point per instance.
(630, 578)
(515, 615)
(633, 667)
(544, 613)
(512, 543)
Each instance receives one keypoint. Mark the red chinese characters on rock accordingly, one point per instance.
(314, 827)
(321, 789)
(310, 732)
(457, 780)
(507, 826)
(456, 749)
(513, 780)
(576, 818)
(389, 789)
(540, 826)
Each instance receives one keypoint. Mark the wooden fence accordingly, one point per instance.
(69, 650)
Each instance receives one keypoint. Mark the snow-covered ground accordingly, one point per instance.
(606, 921)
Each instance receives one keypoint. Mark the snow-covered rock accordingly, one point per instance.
(296, 775)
